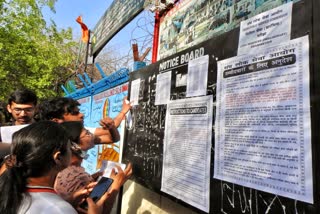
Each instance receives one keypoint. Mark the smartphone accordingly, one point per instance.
(101, 187)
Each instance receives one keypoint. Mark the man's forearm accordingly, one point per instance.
(115, 135)
(118, 119)
(106, 136)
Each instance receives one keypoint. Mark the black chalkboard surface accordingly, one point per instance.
(144, 139)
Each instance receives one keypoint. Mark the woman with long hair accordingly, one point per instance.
(38, 153)
(74, 180)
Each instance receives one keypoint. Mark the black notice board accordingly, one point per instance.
(144, 138)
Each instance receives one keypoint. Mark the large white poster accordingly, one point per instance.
(187, 150)
(263, 133)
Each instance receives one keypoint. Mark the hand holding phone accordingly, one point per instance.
(98, 191)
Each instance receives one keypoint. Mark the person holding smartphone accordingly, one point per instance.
(74, 183)
(74, 178)
(105, 203)
(39, 152)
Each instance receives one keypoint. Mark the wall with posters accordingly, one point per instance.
(264, 118)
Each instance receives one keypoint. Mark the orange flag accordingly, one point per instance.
(85, 30)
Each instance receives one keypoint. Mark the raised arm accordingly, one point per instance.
(107, 133)
(126, 106)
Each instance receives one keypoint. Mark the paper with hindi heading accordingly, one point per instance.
(263, 128)
(265, 29)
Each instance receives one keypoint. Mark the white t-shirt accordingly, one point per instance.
(45, 203)
(91, 129)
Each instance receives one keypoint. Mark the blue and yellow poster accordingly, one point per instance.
(104, 104)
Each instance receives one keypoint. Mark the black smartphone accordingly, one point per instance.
(101, 187)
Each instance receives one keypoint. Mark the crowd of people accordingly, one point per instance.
(40, 170)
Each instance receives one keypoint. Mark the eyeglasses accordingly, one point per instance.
(26, 110)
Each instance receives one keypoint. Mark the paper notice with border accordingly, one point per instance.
(187, 150)
(263, 129)
(266, 29)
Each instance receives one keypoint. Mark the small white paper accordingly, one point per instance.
(181, 80)
(163, 88)
(134, 93)
(8, 131)
(107, 167)
(197, 76)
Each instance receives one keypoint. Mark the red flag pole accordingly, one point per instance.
(156, 38)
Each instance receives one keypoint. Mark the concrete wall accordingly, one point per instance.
(140, 200)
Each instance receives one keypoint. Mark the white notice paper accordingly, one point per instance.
(134, 92)
(263, 130)
(107, 166)
(197, 76)
(163, 88)
(7, 132)
(187, 149)
(265, 29)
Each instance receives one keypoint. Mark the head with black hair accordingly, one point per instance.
(60, 109)
(21, 105)
(23, 96)
(79, 135)
(39, 151)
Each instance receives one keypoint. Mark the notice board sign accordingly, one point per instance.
(145, 136)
